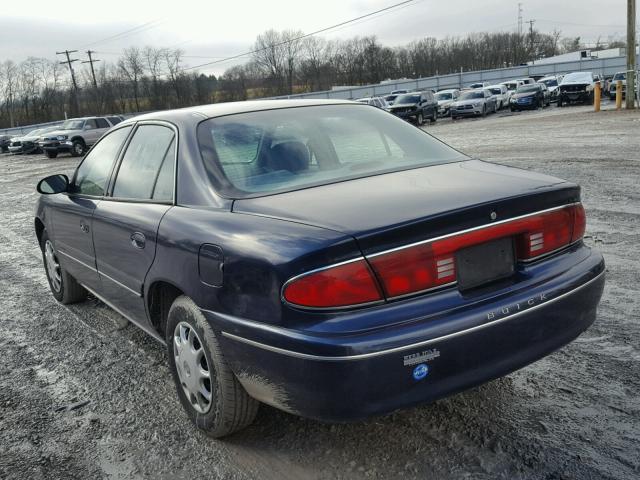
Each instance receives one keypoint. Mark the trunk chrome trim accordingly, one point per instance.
(363, 356)
(468, 230)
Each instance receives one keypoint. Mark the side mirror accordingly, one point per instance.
(53, 184)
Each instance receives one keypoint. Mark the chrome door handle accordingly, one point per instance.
(138, 240)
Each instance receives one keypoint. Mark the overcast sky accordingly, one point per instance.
(209, 28)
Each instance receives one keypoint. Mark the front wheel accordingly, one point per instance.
(208, 390)
(434, 116)
(51, 153)
(64, 287)
(420, 119)
(484, 110)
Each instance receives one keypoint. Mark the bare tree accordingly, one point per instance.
(131, 64)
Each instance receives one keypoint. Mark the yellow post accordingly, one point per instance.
(618, 94)
(596, 97)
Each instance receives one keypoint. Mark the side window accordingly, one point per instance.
(90, 124)
(163, 189)
(142, 160)
(93, 173)
(102, 123)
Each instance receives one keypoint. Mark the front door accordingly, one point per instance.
(73, 216)
(125, 223)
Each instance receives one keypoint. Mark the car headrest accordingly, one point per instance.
(292, 156)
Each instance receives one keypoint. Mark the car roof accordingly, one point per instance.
(202, 112)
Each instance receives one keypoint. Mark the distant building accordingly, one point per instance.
(586, 54)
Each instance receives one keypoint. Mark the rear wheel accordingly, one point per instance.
(210, 393)
(51, 153)
(63, 286)
(78, 148)
(434, 116)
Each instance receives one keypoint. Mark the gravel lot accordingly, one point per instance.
(83, 394)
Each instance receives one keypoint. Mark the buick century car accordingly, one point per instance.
(323, 257)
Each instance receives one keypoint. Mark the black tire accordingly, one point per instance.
(454, 117)
(78, 148)
(51, 153)
(70, 291)
(484, 110)
(420, 119)
(434, 116)
(231, 408)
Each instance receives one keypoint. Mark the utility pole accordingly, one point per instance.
(519, 19)
(73, 77)
(531, 22)
(631, 54)
(91, 61)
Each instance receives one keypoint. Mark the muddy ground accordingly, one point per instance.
(85, 395)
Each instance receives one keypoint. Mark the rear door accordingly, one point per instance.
(126, 221)
(73, 213)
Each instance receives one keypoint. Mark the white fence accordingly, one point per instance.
(603, 66)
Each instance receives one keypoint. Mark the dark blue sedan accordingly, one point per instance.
(322, 257)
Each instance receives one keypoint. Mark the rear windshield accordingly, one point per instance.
(259, 153)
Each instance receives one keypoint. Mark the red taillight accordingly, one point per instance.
(349, 284)
(432, 264)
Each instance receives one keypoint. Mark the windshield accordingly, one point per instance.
(264, 152)
(471, 95)
(408, 98)
(511, 86)
(528, 89)
(72, 125)
(496, 91)
(444, 96)
(620, 76)
(552, 82)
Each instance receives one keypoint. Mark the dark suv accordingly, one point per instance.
(416, 107)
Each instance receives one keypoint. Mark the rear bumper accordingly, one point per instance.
(351, 376)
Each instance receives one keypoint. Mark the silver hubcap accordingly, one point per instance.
(78, 148)
(53, 267)
(192, 366)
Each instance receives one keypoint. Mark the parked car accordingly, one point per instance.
(501, 93)
(526, 80)
(29, 143)
(5, 141)
(531, 96)
(390, 99)
(416, 107)
(476, 85)
(512, 85)
(74, 136)
(285, 254)
(475, 103)
(576, 87)
(445, 98)
(378, 102)
(552, 82)
(622, 76)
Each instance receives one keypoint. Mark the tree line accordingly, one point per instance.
(282, 62)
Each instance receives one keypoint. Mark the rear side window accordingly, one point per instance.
(93, 173)
(90, 124)
(142, 162)
(114, 120)
(102, 123)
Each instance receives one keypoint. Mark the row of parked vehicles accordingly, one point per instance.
(482, 98)
(73, 136)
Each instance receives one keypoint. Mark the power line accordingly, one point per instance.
(233, 57)
(131, 31)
